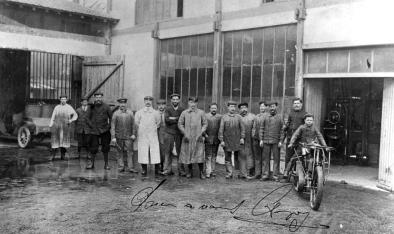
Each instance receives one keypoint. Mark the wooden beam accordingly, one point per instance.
(217, 55)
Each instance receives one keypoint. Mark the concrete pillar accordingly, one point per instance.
(301, 15)
(217, 56)
(386, 156)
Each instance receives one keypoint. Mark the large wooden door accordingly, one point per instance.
(105, 74)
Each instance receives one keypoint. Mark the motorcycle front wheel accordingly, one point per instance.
(316, 193)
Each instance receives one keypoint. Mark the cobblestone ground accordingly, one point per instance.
(38, 196)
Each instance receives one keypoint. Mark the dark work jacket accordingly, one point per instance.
(307, 134)
(100, 119)
(81, 124)
(172, 124)
(271, 129)
(294, 121)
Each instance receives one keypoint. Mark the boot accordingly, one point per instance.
(90, 161)
(201, 168)
(157, 170)
(144, 169)
(229, 170)
(106, 166)
(62, 153)
(53, 154)
(189, 173)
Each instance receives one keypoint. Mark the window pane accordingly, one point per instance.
(279, 51)
(360, 60)
(186, 53)
(236, 83)
(267, 81)
(337, 61)
(227, 49)
(268, 46)
(193, 82)
(226, 81)
(178, 51)
(278, 81)
(210, 50)
(202, 51)
(201, 82)
(170, 85)
(185, 84)
(384, 60)
(246, 78)
(257, 46)
(317, 62)
(256, 79)
(237, 48)
(290, 79)
(178, 81)
(194, 52)
(209, 79)
(247, 48)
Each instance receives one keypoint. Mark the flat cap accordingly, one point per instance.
(122, 100)
(243, 104)
(63, 96)
(193, 99)
(175, 95)
(271, 103)
(231, 102)
(148, 98)
(161, 102)
(98, 94)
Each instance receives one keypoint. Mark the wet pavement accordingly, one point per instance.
(40, 196)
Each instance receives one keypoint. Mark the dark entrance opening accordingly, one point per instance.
(352, 119)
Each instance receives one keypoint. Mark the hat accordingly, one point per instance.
(161, 101)
(98, 94)
(243, 104)
(231, 102)
(262, 102)
(84, 99)
(150, 98)
(175, 95)
(271, 103)
(193, 99)
(63, 96)
(122, 100)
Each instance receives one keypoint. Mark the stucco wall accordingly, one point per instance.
(365, 22)
(193, 8)
(139, 65)
(125, 11)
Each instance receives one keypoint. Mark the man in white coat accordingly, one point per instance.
(147, 121)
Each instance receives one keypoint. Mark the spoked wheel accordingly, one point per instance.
(299, 178)
(24, 137)
(316, 194)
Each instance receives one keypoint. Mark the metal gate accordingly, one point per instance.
(104, 74)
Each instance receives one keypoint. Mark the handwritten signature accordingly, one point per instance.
(267, 210)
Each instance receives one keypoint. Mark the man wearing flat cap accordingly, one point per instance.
(161, 107)
(62, 117)
(122, 125)
(246, 159)
(231, 136)
(100, 122)
(193, 123)
(271, 139)
(174, 136)
(82, 127)
(147, 122)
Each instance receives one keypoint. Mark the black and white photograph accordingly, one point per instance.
(196, 116)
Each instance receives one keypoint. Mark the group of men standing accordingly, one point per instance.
(172, 132)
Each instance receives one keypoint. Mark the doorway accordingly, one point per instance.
(352, 119)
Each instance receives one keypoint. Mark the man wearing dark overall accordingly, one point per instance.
(100, 122)
(81, 126)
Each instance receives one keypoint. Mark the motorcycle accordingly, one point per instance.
(309, 171)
